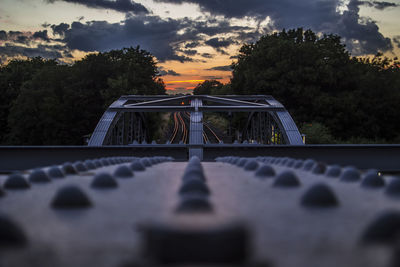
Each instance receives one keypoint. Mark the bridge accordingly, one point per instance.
(268, 122)
(268, 129)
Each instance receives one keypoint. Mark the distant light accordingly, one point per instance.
(183, 103)
(379, 173)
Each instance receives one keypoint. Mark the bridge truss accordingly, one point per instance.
(124, 122)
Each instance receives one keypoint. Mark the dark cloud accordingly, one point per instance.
(27, 44)
(221, 68)
(45, 25)
(163, 72)
(42, 35)
(158, 36)
(378, 5)
(117, 5)
(10, 50)
(361, 35)
(189, 52)
(396, 40)
(3, 35)
(22, 39)
(192, 44)
(60, 29)
(207, 55)
(212, 78)
(219, 42)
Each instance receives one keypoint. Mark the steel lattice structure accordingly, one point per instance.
(124, 121)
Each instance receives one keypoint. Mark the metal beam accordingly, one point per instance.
(381, 157)
(152, 108)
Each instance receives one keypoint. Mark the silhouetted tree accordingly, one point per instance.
(318, 81)
(207, 87)
(44, 103)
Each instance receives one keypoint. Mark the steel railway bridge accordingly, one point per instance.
(124, 122)
(123, 130)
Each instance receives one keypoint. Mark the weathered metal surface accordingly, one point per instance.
(263, 211)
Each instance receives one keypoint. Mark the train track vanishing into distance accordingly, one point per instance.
(180, 133)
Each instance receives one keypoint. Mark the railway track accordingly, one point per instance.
(180, 132)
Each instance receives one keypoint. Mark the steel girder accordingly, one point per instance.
(115, 129)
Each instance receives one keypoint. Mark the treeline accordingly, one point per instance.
(333, 97)
(43, 102)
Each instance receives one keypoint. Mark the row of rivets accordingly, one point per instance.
(348, 174)
(194, 191)
(318, 195)
(66, 197)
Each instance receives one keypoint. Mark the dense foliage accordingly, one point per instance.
(46, 103)
(323, 86)
(208, 87)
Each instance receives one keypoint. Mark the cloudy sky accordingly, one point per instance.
(193, 40)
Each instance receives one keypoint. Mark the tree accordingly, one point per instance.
(318, 81)
(12, 77)
(208, 87)
(45, 103)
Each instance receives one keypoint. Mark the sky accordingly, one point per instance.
(192, 40)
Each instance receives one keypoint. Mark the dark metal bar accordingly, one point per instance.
(13, 158)
(152, 108)
(381, 157)
(240, 108)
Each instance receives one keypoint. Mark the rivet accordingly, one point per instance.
(105, 162)
(308, 164)
(97, 163)
(251, 165)
(393, 188)
(16, 181)
(89, 164)
(372, 180)
(241, 162)
(103, 180)
(55, 172)
(123, 171)
(286, 179)
(194, 186)
(265, 171)
(70, 197)
(136, 165)
(350, 174)
(290, 163)
(80, 167)
(320, 196)
(11, 235)
(334, 171)
(39, 176)
(194, 203)
(319, 168)
(146, 162)
(68, 168)
(298, 164)
(384, 229)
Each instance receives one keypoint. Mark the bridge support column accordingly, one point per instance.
(196, 130)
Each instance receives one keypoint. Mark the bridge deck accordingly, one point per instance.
(112, 232)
